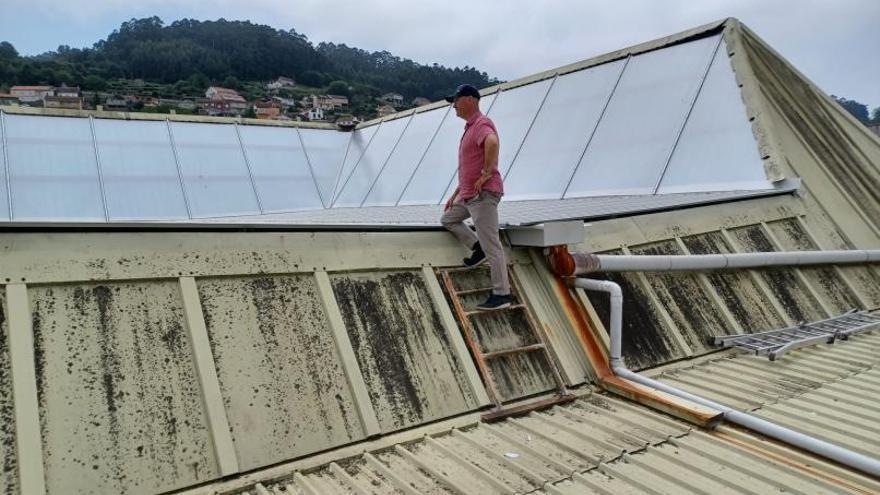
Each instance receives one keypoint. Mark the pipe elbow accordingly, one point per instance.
(567, 264)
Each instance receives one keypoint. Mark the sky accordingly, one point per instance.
(834, 43)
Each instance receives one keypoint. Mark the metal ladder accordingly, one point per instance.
(482, 358)
(775, 343)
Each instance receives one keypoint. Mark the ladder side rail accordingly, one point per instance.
(471, 341)
(797, 344)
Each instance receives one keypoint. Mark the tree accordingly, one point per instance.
(857, 109)
(94, 83)
(875, 116)
(339, 88)
(187, 55)
(231, 82)
(7, 51)
(198, 80)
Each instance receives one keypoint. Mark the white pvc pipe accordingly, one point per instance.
(819, 447)
(588, 262)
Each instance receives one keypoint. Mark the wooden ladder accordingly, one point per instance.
(482, 358)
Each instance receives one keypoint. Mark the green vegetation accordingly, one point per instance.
(859, 110)
(148, 58)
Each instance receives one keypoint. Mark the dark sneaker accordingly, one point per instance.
(496, 301)
(477, 257)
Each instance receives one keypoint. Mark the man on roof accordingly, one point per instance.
(478, 193)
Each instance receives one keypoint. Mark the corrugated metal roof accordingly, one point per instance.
(827, 391)
(595, 445)
(698, 463)
(514, 456)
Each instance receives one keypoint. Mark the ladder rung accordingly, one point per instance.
(472, 291)
(764, 340)
(465, 268)
(832, 324)
(866, 318)
(515, 350)
(814, 330)
(484, 311)
(857, 329)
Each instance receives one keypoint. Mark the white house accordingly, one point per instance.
(281, 82)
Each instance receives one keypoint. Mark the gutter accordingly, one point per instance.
(578, 263)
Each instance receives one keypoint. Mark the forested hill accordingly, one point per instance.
(218, 50)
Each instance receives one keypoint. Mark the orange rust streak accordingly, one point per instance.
(576, 316)
(599, 361)
(788, 462)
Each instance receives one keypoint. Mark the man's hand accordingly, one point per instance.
(478, 184)
(451, 200)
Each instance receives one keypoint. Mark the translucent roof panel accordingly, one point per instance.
(717, 150)
(53, 172)
(402, 163)
(280, 168)
(4, 197)
(141, 180)
(326, 153)
(638, 130)
(214, 171)
(513, 114)
(440, 163)
(357, 146)
(560, 134)
(356, 185)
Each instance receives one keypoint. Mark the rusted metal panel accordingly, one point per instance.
(692, 310)
(9, 472)
(740, 294)
(282, 381)
(644, 344)
(794, 297)
(404, 353)
(539, 287)
(120, 407)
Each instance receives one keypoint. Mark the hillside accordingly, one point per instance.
(186, 56)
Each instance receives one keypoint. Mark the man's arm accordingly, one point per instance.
(490, 160)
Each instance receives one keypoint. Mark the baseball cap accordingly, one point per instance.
(464, 90)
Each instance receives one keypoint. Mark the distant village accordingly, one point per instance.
(218, 101)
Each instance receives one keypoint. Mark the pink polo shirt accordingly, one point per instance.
(470, 158)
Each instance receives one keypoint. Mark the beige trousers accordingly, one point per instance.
(484, 210)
